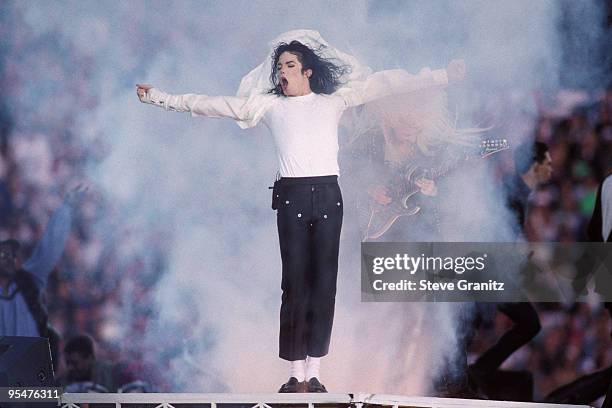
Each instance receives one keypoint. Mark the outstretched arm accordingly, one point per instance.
(211, 106)
(50, 247)
(397, 81)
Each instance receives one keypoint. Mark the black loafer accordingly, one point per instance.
(315, 386)
(290, 386)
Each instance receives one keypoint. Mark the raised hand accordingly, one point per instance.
(141, 91)
(380, 194)
(428, 187)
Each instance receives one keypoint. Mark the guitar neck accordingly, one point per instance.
(487, 148)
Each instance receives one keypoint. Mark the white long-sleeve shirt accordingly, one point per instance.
(305, 128)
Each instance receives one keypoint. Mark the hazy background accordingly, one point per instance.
(198, 187)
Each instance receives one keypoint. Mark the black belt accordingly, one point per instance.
(291, 181)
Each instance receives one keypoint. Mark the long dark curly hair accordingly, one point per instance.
(326, 76)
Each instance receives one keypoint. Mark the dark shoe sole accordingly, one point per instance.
(315, 387)
(297, 387)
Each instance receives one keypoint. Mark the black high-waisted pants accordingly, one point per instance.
(309, 220)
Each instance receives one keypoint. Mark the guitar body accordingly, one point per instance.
(404, 192)
(382, 217)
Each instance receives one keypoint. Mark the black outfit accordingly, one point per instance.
(526, 326)
(584, 390)
(517, 198)
(523, 314)
(309, 219)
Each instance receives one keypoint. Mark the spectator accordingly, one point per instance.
(23, 312)
(84, 370)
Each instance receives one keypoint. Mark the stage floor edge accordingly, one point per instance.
(70, 400)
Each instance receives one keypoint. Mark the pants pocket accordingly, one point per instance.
(275, 195)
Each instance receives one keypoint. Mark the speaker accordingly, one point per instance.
(25, 362)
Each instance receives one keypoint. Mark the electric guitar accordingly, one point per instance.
(402, 188)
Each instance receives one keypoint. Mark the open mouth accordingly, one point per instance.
(284, 82)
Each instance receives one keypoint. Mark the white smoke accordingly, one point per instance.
(206, 180)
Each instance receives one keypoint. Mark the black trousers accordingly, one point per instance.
(309, 220)
(526, 327)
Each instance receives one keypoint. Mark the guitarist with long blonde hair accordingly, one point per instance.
(410, 141)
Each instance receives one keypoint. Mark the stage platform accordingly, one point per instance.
(357, 400)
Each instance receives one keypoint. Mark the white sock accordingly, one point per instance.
(298, 369)
(312, 368)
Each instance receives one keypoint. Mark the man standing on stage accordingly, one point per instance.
(300, 99)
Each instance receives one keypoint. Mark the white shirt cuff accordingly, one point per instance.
(155, 97)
